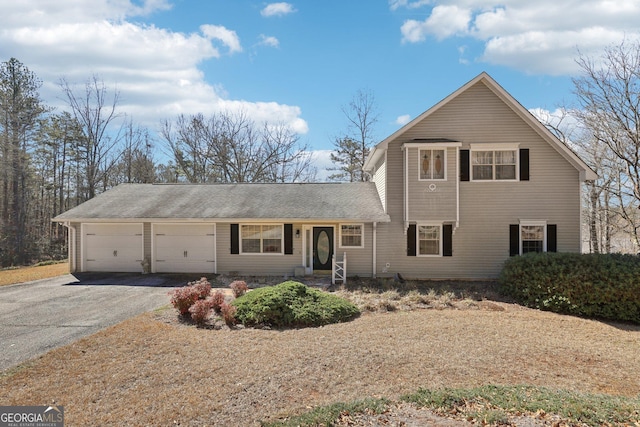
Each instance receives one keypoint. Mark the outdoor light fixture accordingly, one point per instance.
(297, 233)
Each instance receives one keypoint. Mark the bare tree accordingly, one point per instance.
(351, 151)
(95, 110)
(608, 93)
(228, 147)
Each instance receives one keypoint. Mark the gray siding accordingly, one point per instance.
(259, 264)
(481, 243)
(432, 200)
(359, 260)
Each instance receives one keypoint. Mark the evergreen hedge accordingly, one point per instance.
(605, 286)
(292, 304)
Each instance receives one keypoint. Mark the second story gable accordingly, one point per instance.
(479, 142)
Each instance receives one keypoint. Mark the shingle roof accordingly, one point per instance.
(309, 201)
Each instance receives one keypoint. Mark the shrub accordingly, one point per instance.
(292, 304)
(183, 298)
(239, 288)
(202, 287)
(228, 312)
(200, 311)
(603, 286)
(216, 301)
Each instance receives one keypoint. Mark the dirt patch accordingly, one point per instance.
(156, 370)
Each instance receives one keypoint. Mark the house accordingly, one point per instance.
(454, 193)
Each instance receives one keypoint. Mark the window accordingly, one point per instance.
(494, 165)
(428, 240)
(261, 239)
(432, 164)
(351, 235)
(532, 238)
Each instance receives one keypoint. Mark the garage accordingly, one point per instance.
(184, 248)
(112, 247)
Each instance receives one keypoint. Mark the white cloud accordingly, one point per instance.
(277, 9)
(396, 4)
(403, 120)
(228, 37)
(156, 70)
(536, 37)
(268, 41)
(321, 160)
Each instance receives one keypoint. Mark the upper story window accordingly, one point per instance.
(494, 165)
(261, 238)
(351, 236)
(432, 164)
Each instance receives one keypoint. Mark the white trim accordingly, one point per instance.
(341, 246)
(83, 240)
(444, 164)
(429, 224)
(374, 250)
(494, 146)
(307, 257)
(431, 144)
(406, 189)
(532, 223)
(493, 165)
(261, 253)
(153, 242)
(458, 188)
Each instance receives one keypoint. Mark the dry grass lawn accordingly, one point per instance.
(27, 274)
(153, 370)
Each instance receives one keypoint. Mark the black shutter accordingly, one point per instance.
(411, 240)
(524, 164)
(552, 238)
(447, 240)
(235, 239)
(514, 240)
(288, 239)
(464, 165)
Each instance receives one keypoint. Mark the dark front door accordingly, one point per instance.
(322, 248)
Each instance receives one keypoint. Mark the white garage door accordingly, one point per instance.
(184, 248)
(112, 247)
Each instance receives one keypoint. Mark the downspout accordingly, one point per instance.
(406, 189)
(375, 252)
(71, 245)
(457, 189)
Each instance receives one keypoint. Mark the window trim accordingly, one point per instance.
(493, 148)
(432, 149)
(340, 245)
(532, 223)
(440, 246)
(261, 253)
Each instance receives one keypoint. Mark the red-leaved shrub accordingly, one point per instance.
(183, 298)
(200, 311)
(239, 288)
(228, 313)
(216, 300)
(202, 286)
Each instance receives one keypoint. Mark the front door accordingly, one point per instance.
(322, 248)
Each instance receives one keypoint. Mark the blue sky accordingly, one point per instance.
(300, 62)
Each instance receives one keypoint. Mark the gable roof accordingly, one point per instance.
(293, 202)
(586, 173)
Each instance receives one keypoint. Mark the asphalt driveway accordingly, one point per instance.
(38, 316)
